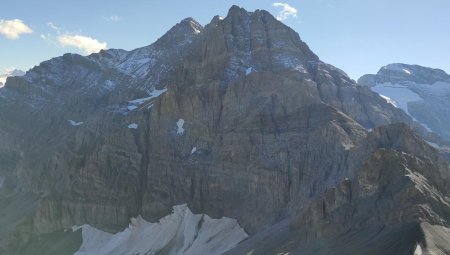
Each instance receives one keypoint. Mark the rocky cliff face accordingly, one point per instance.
(397, 201)
(237, 119)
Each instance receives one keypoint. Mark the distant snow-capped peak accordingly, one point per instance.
(421, 92)
(8, 73)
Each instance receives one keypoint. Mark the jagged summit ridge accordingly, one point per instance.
(256, 41)
(253, 41)
(181, 33)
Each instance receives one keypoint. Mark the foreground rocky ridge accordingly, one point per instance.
(237, 119)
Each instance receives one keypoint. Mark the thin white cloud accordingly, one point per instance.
(12, 29)
(8, 69)
(286, 12)
(85, 43)
(54, 27)
(62, 38)
(113, 18)
(49, 38)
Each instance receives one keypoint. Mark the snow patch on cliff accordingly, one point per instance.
(406, 71)
(152, 94)
(433, 144)
(180, 124)
(389, 100)
(418, 250)
(146, 101)
(109, 85)
(133, 126)
(181, 232)
(75, 123)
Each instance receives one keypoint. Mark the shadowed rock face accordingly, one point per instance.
(396, 201)
(278, 135)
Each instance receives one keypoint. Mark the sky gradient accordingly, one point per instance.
(357, 36)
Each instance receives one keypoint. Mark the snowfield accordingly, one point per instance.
(396, 94)
(433, 96)
(181, 232)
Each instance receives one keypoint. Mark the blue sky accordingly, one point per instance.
(358, 36)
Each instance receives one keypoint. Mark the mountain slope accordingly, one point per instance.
(238, 119)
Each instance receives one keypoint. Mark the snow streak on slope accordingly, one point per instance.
(389, 100)
(75, 123)
(146, 101)
(178, 233)
(180, 124)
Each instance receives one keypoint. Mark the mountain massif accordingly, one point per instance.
(238, 119)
